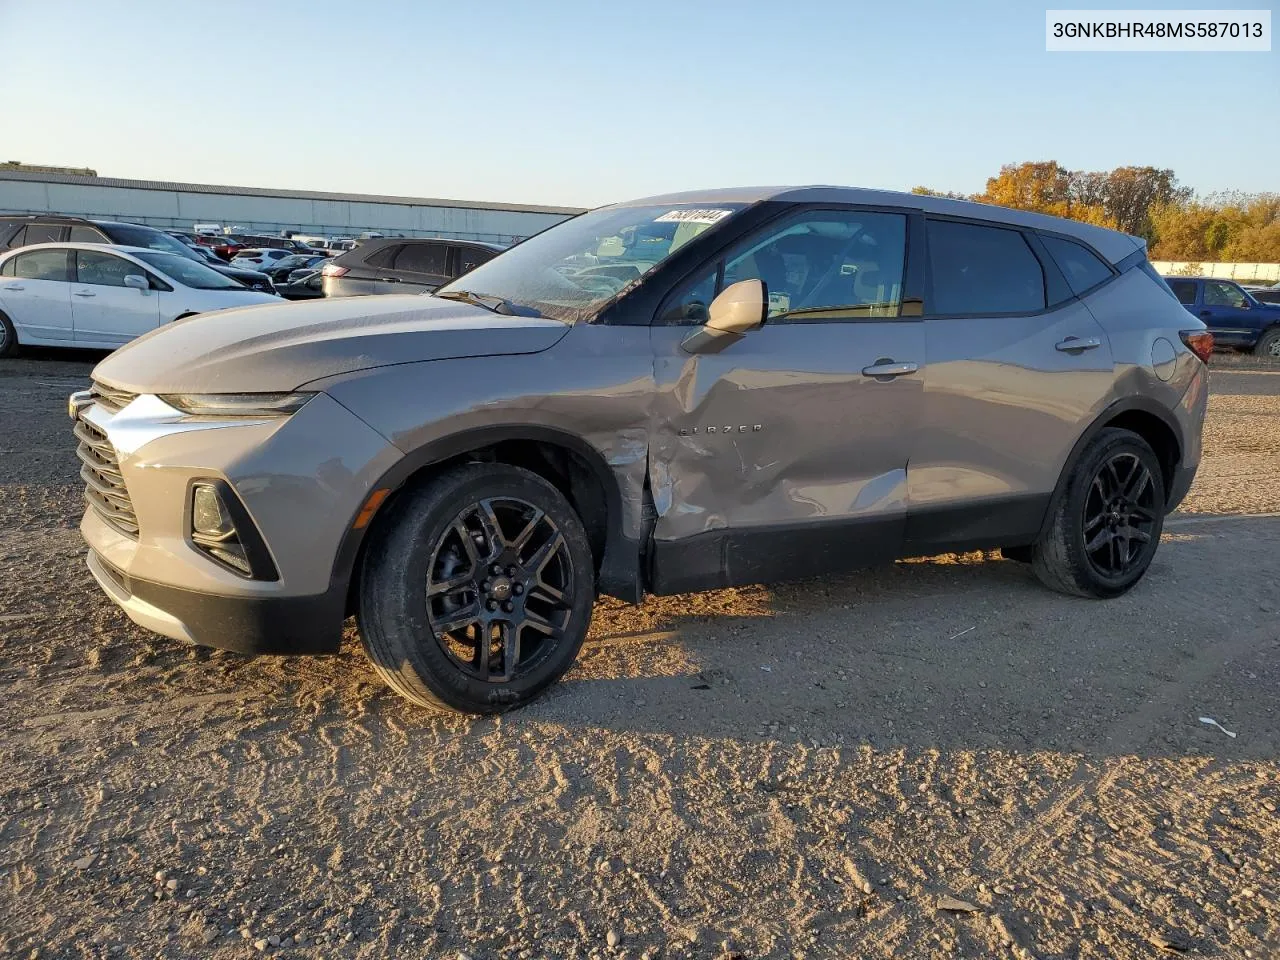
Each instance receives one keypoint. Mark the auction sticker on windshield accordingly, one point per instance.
(693, 216)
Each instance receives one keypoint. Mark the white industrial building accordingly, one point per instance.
(179, 206)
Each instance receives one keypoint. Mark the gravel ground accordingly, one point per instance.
(935, 759)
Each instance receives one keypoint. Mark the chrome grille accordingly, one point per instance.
(111, 398)
(104, 483)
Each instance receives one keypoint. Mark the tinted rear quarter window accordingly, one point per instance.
(427, 258)
(979, 270)
(1184, 290)
(1080, 265)
(468, 258)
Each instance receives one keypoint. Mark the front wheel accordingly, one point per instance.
(477, 590)
(8, 338)
(1268, 344)
(1106, 525)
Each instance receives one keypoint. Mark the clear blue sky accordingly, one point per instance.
(580, 103)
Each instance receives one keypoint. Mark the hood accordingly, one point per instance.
(281, 346)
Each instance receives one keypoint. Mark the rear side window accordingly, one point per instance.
(1184, 290)
(42, 265)
(1080, 265)
(384, 257)
(423, 258)
(982, 270)
(87, 235)
(471, 257)
(43, 233)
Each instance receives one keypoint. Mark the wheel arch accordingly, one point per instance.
(567, 461)
(1142, 416)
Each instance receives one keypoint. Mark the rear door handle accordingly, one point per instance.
(85, 293)
(15, 286)
(1206, 313)
(888, 369)
(389, 279)
(1078, 345)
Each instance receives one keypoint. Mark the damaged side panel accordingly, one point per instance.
(591, 392)
(778, 458)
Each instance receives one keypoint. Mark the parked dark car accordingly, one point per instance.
(400, 265)
(1235, 317)
(260, 242)
(282, 269)
(1268, 294)
(56, 229)
(302, 285)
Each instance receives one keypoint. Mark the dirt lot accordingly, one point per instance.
(801, 772)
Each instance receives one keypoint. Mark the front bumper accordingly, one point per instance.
(248, 625)
(302, 481)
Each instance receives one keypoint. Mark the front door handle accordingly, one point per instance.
(15, 286)
(1206, 313)
(85, 293)
(1078, 345)
(389, 279)
(888, 369)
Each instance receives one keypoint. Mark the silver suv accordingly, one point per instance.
(674, 394)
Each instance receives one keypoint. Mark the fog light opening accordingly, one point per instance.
(214, 530)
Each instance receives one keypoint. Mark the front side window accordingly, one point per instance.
(571, 271)
(1218, 294)
(429, 258)
(823, 264)
(137, 236)
(87, 235)
(1078, 264)
(102, 269)
(1184, 290)
(42, 265)
(980, 270)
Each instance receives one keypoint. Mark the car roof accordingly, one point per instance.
(1111, 243)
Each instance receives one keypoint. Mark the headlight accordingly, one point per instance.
(237, 404)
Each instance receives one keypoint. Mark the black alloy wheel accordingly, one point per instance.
(500, 589)
(1120, 515)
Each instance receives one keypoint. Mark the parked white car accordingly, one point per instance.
(263, 259)
(100, 296)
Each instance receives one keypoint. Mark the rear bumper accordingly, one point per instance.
(248, 625)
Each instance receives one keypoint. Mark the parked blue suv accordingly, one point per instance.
(1232, 315)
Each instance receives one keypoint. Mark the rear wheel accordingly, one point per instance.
(8, 337)
(1106, 526)
(1268, 344)
(477, 590)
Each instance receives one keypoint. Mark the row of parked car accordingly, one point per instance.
(71, 281)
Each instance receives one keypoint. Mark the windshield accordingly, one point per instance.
(189, 273)
(153, 239)
(572, 270)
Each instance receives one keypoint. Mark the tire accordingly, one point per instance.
(420, 543)
(1268, 344)
(8, 338)
(1106, 502)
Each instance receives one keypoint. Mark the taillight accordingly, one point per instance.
(1199, 342)
(333, 270)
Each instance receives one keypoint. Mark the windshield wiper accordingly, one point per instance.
(490, 302)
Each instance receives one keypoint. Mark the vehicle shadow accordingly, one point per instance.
(964, 652)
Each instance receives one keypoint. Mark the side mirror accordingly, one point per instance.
(138, 282)
(738, 310)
